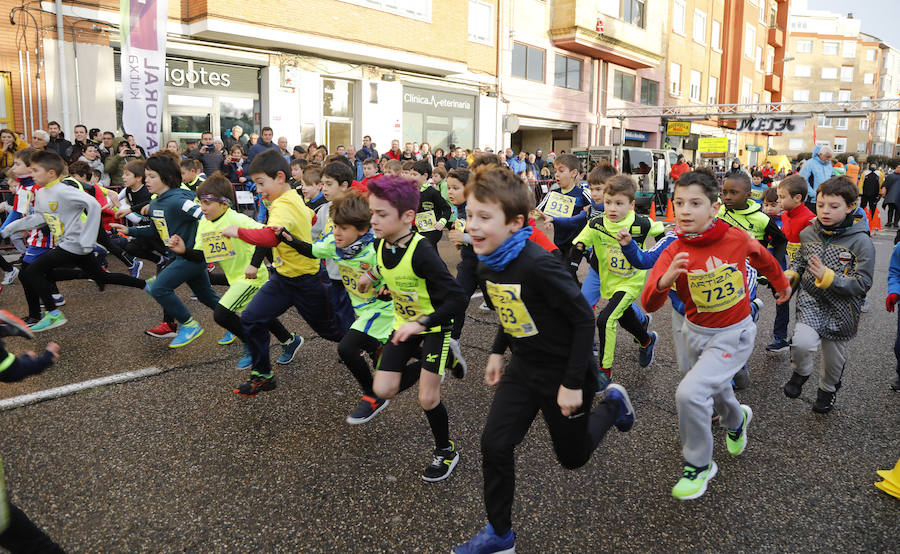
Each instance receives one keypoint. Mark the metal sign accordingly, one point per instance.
(678, 128)
(771, 125)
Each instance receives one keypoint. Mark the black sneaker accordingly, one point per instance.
(442, 464)
(367, 408)
(30, 320)
(896, 384)
(255, 385)
(779, 345)
(824, 402)
(794, 386)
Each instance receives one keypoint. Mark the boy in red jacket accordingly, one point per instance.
(795, 216)
(707, 265)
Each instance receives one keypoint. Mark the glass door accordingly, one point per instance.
(188, 117)
(338, 96)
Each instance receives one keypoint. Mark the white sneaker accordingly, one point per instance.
(10, 277)
(484, 307)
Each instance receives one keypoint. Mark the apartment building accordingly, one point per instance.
(886, 134)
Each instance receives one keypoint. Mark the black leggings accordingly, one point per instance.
(870, 201)
(145, 248)
(23, 536)
(231, 321)
(40, 274)
(351, 349)
(4, 265)
(104, 240)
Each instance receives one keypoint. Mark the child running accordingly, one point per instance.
(426, 297)
(296, 279)
(433, 212)
(548, 326)
(561, 208)
(468, 262)
(834, 268)
(772, 208)
(174, 212)
(707, 263)
(350, 246)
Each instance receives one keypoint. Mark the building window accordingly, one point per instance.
(749, 40)
(623, 86)
(699, 29)
(675, 79)
(841, 123)
(694, 91)
(804, 46)
(528, 62)
(795, 144)
(746, 89)
(829, 73)
(840, 144)
(843, 95)
(567, 72)
(762, 12)
(801, 95)
(678, 9)
(415, 10)
(824, 121)
(849, 49)
(830, 47)
(860, 147)
(633, 11)
(802, 71)
(713, 90)
(826, 96)
(847, 73)
(770, 61)
(870, 55)
(864, 124)
(649, 92)
(715, 39)
(868, 78)
(481, 22)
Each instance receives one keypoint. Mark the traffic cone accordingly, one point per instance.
(892, 476)
(868, 214)
(652, 210)
(875, 222)
(670, 213)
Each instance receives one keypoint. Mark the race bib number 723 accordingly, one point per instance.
(717, 290)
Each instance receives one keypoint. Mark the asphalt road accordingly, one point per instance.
(176, 462)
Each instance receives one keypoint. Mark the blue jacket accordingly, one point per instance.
(819, 170)
(259, 148)
(517, 165)
(894, 271)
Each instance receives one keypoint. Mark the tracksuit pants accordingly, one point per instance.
(617, 312)
(183, 271)
(804, 345)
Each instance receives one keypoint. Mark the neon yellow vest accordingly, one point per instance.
(408, 290)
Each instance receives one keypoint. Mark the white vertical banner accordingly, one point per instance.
(143, 61)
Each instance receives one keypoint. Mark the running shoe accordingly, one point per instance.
(58, 299)
(12, 326)
(741, 379)
(164, 330)
(442, 463)
(227, 338)
(645, 353)
(755, 307)
(136, 269)
(289, 350)
(10, 277)
(736, 440)
(29, 321)
(255, 385)
(693, 481)
(246, 360)
(186, 335)
(458, 366)
(824, 401)
(488, 542)
(616, 393)
(895, 386)
(794, 386)
(484, 307)
(367, 408)
(49, 321)
(779, 345)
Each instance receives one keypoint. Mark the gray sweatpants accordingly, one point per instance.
(804, 345)
(713, 355)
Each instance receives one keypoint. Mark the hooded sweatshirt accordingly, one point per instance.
(816, 172)
(832, 305)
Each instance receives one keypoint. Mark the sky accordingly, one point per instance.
(878, 16)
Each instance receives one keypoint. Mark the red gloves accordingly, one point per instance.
(891, 301)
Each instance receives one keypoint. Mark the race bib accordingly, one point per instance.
(514, 316)
(792, 249)
(559, 205)
(216, 247)
(618, 263)
(406, 305)
(161, 229)
(55, 225)
(460, 225)
(425, 221)
(350, 278)
(756, 195)
(717, 290)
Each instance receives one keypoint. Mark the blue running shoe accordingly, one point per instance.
(617, 393)
(289, 350)
(227, 339)
(136, 269)
(186, 334)
(246, 361)
(645, 354)
(488, 542)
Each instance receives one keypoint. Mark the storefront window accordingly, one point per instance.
(337, 108)
(236, 111)
(439, 117)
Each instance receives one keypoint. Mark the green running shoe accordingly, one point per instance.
(49, 321)
(693, 481)
(737, 440)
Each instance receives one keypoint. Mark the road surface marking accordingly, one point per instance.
(66, 390)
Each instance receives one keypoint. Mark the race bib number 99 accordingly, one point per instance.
(559, 205)
(350, 278)
(514, 316)
(717, 290)
(216, 247)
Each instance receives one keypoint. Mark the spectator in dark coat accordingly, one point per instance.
(208, 155)
(891, 191)
(264, 143)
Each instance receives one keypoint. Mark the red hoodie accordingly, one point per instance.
(714, 288)
(792, 222)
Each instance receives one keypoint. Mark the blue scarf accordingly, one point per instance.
(507, 252)
(353, 250)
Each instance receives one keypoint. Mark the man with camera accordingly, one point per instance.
(209, 156)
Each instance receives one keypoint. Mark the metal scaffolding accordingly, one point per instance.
(840, 108)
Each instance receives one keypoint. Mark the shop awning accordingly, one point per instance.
(537, 123)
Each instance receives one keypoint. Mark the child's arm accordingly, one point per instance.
(14, 369)
(767, 265)
(642, 259)
(257, 237)
(856, 283)
(300, 246)
(893, 280)
(443, 211)
(664, 273)
(776, 240)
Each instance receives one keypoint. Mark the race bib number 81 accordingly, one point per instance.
(514, 316)
(717, 290)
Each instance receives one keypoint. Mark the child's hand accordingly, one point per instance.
(677, 268)
(119, 228)
(406, 331)
(122, 213)
(230, 231)
(251, 272)
(624, 237)
(438, 226)
(456, 237)
(53, 349)
(364, 283)
(176, 244)
(569, 400)
(493, 371)
(783, 296)
(891, 301)
(816, 267)
(145, 210)
(548, 222)
(285, 236)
